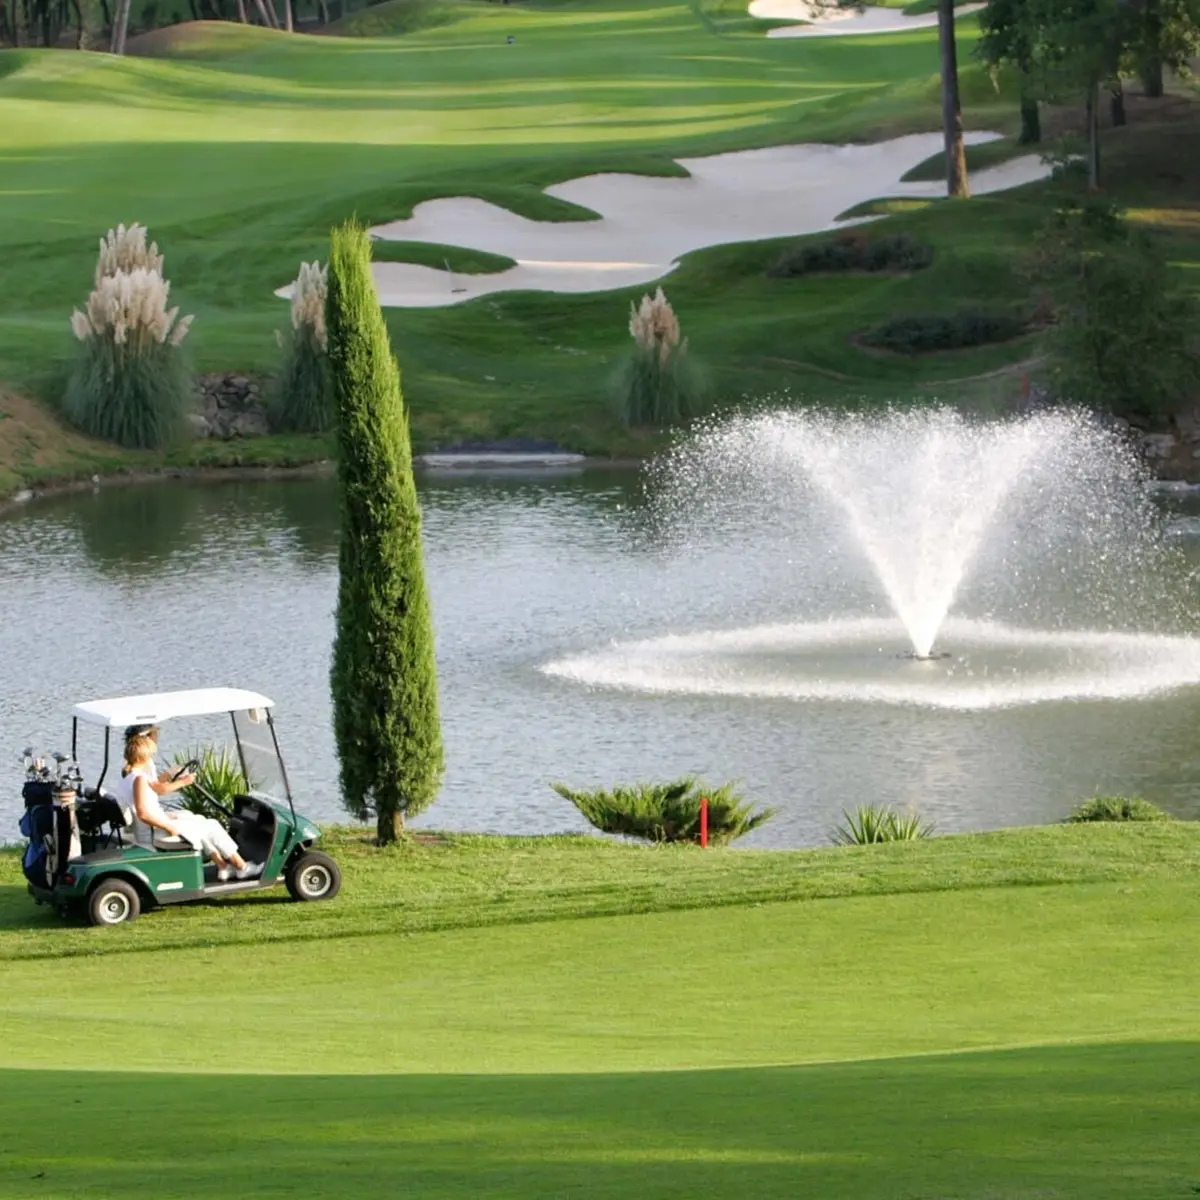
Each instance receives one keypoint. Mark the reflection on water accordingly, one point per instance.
(146, 588)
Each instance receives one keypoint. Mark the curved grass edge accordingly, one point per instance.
(431, 882)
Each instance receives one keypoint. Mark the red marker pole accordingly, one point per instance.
(704, 822)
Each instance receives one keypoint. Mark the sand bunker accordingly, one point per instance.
(647, 224)
(838, 22)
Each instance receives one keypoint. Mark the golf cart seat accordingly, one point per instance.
(167, 842)
(102, 819)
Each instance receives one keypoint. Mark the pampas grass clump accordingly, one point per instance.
(131, 384)
(303, 397)
(658, 383)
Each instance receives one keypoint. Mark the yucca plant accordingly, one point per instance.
(667, 812)
(1117, 808)
(131, 384)
(220, 775)
(658, 384)
(302, 399)
(869, 824)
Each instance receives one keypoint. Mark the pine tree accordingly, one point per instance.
(384, 676)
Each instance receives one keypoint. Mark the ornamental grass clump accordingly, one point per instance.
(130, 384)
(869, 824)
(302, 401)
(1117, 808)
(658, 383)
(667, 812)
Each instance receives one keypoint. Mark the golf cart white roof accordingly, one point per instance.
(163, 706)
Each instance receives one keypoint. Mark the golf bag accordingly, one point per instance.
(53, 839)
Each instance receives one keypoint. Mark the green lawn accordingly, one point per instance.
(1009, 1015)
(240, 147)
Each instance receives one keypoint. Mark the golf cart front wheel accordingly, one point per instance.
(314, 876)
(114, 903)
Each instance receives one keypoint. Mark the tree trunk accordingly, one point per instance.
(1152, 67)
(1118, 104)
(264, 11)
(78, 11)
(104, 10)
(287, 16)
(120, 27)
(1093, 126)
(245, 20)
(1031, 122)
(952, 122)
(389, 827)
(324, 10)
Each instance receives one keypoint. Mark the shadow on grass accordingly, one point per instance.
(1095, 1121)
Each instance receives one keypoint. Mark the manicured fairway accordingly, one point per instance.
(911, 1035)
(241, 147)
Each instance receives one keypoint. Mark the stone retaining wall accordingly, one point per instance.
(230, 405)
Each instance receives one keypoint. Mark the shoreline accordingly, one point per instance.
(435, 464)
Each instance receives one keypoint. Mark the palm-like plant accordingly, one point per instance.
(667, 812)
(869, 824)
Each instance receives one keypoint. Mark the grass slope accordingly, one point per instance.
(1003, 1015)
(241, 146)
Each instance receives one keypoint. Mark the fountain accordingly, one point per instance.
(1012, 561)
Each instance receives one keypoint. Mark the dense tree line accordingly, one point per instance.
(1065, 51)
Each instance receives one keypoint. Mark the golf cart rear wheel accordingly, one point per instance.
(314, 876)
(113, 903)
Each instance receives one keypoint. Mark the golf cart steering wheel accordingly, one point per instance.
(189, 768)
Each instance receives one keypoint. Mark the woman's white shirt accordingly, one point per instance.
(143, 834)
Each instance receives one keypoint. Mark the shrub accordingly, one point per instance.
(667, 812)
(872, 823)
(853, 252)
(1125, 333)
(658, 384)
(924, 333)
(1117, 808)
(302, 399)
(220, 775)
(131, 384)
(384, 674)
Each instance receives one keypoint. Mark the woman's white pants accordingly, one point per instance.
(209, 835)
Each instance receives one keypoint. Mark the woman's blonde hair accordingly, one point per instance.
(140, 747)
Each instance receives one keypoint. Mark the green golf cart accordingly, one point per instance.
(81, 854)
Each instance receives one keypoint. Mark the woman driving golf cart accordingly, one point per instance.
(139, 788)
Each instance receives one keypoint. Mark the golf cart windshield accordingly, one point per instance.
(259, 750)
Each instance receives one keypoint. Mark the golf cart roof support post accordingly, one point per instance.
(104, 764)
(237, 741)
(75, 739)
(287, 786)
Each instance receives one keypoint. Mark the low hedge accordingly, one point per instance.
(925, 333)
(853, 252)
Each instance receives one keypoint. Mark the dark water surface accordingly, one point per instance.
(160, 587)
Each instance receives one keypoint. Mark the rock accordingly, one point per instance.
(198, 425)
(1158, 445)
(23, 496)
(251, 423)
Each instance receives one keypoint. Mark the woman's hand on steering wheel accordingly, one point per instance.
(189, 768)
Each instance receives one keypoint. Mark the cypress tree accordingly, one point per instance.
(384, 677)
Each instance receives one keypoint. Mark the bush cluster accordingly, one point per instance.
(925, 333)
(667, 812)
(1117, 808)
(853, 252)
